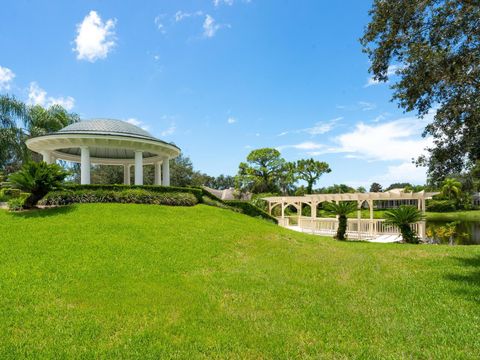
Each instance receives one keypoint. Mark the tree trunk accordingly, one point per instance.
(342, 227)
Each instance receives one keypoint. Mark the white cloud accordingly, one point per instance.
(392, 70)
(159, 24)
(180, 15)
(6, 77)
(226, 2)
(169, 131)
(307, 145)
(395, 140)
(366, 106)
(319, 128)
(210, 27)
(138, 123)
(231, 120)
(38, 96)
(95, 38)
(404, 172)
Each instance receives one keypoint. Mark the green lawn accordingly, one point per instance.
(473, 215)
(150, 282)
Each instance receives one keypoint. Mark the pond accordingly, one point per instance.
(454, 233)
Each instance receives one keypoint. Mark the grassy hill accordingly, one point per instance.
(112, 280)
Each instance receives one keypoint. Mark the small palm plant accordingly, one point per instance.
(403, 217)
(341, 209)
(37, 179)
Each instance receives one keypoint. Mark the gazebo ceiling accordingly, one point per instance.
(109, 141)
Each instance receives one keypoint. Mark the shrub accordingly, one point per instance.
(17, 203)
(127, 196)
(403, 217)
(250, 210)
(441, 205)
(198, 193)
(37, 179)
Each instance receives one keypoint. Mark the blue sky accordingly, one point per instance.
(219, 78)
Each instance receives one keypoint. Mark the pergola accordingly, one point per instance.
(366, 226)
(107, 142)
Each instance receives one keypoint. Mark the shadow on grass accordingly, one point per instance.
(41, 213)
(469, 281)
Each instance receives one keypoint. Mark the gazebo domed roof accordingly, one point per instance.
(106, 127)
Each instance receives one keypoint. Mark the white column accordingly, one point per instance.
(158, 174)
(138, 168)
(84, 165)
(166, 172)
(126, 174)
(47, 156)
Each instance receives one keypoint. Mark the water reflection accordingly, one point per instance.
(454, 233)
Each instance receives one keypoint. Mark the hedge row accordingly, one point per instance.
(441, 205)
(198, 193)
(126, 196)
(250, 210)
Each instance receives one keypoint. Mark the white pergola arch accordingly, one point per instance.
(108, 142)
(363, 227)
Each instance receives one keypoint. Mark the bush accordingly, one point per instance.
(37, 179)
(250, 210)
(126, 196)
(441, 205)
(17, 203)
(198, 193)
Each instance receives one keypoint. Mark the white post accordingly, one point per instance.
(166, 172)
(126, 174)
(138, 168)
(47, 156)
(359, 218)
(84, 165)
(158, 173)
(370, 205)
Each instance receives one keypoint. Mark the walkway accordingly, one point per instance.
(385, 239)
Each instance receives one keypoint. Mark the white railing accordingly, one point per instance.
(356, 228)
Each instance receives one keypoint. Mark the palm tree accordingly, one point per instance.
(12, 148)
(403, 217)
(41, 121)
(451, 188)
(341, 209)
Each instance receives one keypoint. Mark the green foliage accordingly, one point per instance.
(403, 217)
(311, 170)
(436, 43)
(126, 196)
(261, 171)
(16, 204)
(336, 189)
(36, 121)
(250, 210)
(376, 187)
(441, 205)
(37, 179)
(451, 189)
(41, 121)
(198, 193)
(341, 209)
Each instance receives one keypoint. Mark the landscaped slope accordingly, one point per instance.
(143, 281)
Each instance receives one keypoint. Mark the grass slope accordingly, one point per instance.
(123, 281)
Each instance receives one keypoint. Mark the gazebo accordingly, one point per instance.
(108, 142)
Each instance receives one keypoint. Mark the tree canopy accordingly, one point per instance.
(311, 170)
(434, 46)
